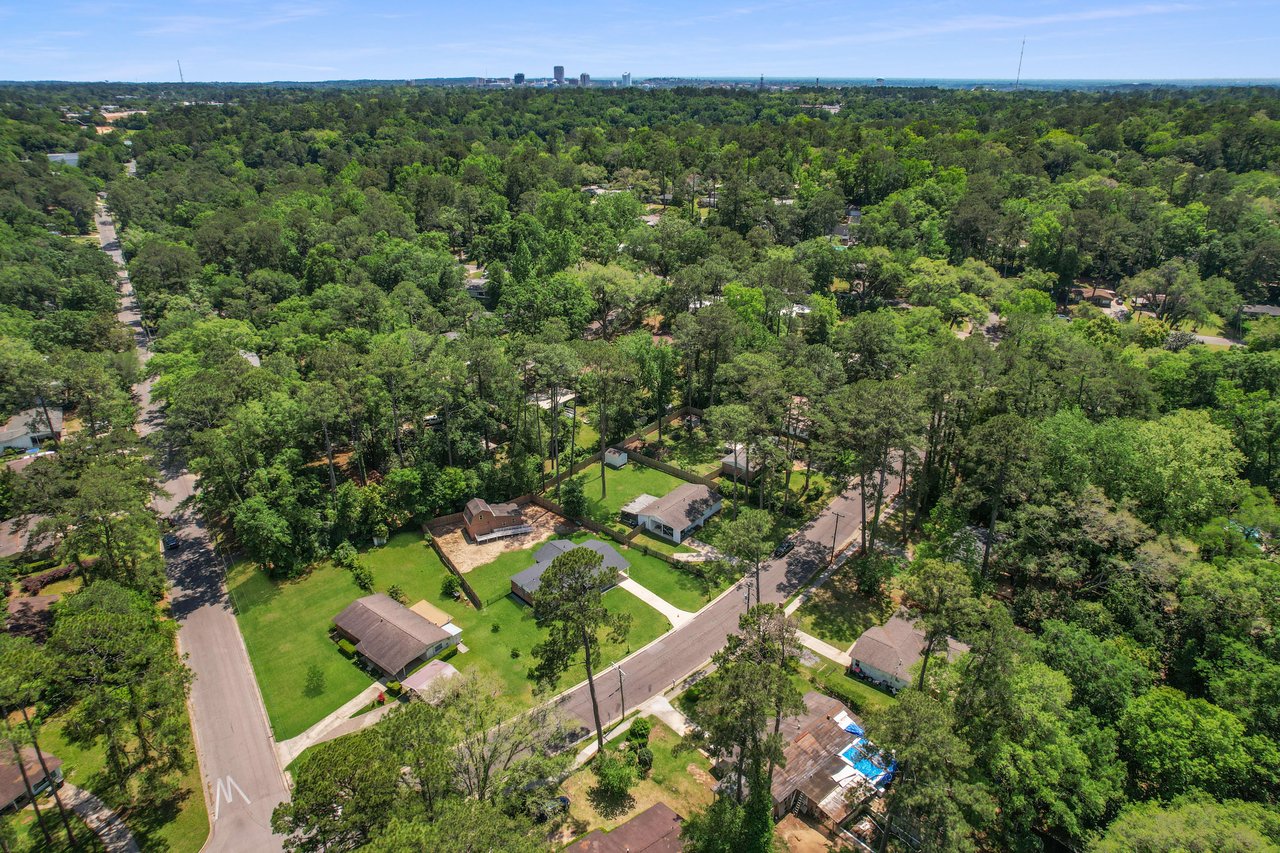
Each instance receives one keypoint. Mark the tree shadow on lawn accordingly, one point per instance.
(838, 613)
(607, 806)
(147, 819)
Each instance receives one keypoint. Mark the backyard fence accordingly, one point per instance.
(448, 564)
(680, 473)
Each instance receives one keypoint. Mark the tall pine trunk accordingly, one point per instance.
(591, 687)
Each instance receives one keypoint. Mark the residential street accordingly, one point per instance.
(668, 660)
(243, 781)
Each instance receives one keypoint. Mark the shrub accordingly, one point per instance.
(32, 584)
(363, 577)
(345, 556)
(573, 498)
(515, 653)
(495, 628)
(451, 586)
(644, 761)
(397, 594)
(347, 648)
(639, 731)
(393, 687)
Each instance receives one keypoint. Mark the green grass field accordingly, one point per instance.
(662, 546)
(286, 628)
(838, 613)
(622, 485)
(695, 451)
(286, 624)
(177, 825)
(679, 586)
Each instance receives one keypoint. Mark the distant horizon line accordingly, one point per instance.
(637, 78)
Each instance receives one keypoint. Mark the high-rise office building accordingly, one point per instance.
(584, 79)
(559, 73)
(519, 79)
(626, 79)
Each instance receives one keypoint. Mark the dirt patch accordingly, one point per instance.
(467, 555)
(800, 837)
(701, 775)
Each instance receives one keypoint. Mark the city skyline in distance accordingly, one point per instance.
(316, 40)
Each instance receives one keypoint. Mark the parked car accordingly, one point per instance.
(784, 548)
(171, 542)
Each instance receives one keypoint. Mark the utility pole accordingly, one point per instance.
(622, 694)
(746, 594)
(835, 532)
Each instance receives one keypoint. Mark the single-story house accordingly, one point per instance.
(19, 535)
(828, 757)
(28, 428)
(1100, 296)
(678, 513)
(1260, 310)
(427, 683)
(486, 521)
(654, 830)
(737, 465)
(563, 399)
(630, 512)
(13, 789)
(525, 584)
(885, 653)
(615, 458)
(391, 636)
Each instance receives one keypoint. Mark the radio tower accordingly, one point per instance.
(181, 79)
(1018, 79)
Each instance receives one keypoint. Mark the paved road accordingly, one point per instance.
(659, 666)
(242, 778)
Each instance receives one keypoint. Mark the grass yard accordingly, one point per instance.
(679, 586)
(782, 526)
(662, 546)
(286, 628)
(623, 485)
(27, 837)
(177, 825)
(829, 677)
(681, 779)
(838, 613)
(695, 451)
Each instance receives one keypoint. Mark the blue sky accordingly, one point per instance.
(255, 40)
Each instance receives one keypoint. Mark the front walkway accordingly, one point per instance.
(104, 822)
(657, 707)
(293, 747)
(824, 648)
(675, 615)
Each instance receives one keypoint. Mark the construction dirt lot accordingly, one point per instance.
(467, 555)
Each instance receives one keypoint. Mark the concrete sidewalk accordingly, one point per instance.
(675, 615)
(293, 747)
(104, 822)
(824, 648)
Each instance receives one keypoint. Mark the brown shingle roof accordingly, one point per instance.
(388, 633)
(11, 784)
(654, 830)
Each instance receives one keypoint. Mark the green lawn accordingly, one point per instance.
(28, 838)
(679, 586)
(669, 781)
(622, 485)
(286, 628)
(838, 613)
(662, 546)
(177, 825)
(830, 678)
(286, 625)
(695, 451)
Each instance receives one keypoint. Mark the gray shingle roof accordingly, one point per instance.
(388, 633)
(531, 578)
(682, 506)
(894, 647)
